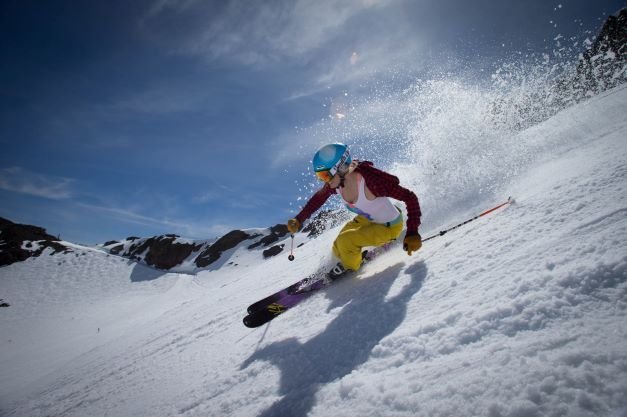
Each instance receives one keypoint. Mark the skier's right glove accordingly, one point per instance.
(293, 225)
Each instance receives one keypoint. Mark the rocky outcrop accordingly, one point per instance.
(276, 232)
(273, 251)
(226, 242)
(169, 251)
(261, 239)
(162, 252)
(19, 242)
(602, 66)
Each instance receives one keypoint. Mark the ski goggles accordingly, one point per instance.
(324, 176)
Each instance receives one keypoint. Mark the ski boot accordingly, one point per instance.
(337, 271)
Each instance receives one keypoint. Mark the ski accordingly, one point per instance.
(275, 304)
(281, 301)
(305, 284)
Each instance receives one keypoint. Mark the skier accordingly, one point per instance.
(365, 191)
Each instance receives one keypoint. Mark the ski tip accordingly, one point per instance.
(250, 322)
(258, 318)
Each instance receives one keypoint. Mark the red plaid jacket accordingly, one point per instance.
(381, 184)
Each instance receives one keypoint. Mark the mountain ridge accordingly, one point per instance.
(167, 252)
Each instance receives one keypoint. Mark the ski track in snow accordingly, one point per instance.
(520, 313)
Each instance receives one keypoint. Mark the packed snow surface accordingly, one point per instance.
(520, 313)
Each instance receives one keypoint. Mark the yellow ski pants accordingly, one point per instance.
(359, 233)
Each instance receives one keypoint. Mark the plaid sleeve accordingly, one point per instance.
(382, 184)
(315, 202)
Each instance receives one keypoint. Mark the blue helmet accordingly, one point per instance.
(333, 158)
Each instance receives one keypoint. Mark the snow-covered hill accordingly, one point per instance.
(520, 313)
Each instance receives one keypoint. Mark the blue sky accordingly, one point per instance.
(197, 117)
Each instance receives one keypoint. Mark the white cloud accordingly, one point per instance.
(256, 32)
(20, 180)
(188, 229)
(372, 57)
(324, 44)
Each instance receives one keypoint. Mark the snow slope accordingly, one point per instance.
(520, 313)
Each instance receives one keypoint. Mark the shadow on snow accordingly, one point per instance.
(142, 273)
(345, 344)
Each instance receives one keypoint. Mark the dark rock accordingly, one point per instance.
(279, 229)
(116, 249)
(165, 254)
(111, 242)
(600, 68)
(276, 232)
(13, 236)
(160, 251)
(273, 251)
(226, 242)
(230, 240)
(602, 64)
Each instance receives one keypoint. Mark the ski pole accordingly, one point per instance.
(291, 256)
(443, 232)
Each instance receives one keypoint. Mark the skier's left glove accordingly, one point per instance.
(293, 225)
(412, 243)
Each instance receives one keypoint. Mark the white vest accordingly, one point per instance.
(379, 210)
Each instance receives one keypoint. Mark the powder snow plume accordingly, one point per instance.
(457, 138)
